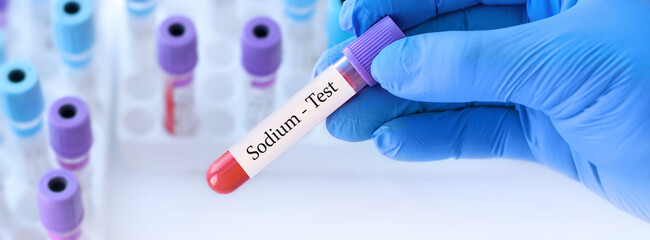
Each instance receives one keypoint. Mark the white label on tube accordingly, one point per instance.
(293, 120)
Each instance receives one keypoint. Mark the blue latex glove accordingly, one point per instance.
(561, 83)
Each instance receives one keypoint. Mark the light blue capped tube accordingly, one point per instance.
(141, 8)
(335, 34)
(299, 10)
(22, 102)
(74, 31)
(21, 97)
(300, 33)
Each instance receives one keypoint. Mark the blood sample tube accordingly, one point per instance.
(22, 103)
(74, 31)
(42, 52)
(335, 34)
(141, 21)
(300, 31)
(71, 138)
(302, 112)
(60, 204)
(3, 14)
(74, 36)
(177, 56)
(141, 8)
(261, 56)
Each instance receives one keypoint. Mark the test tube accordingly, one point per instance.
(302, 112)
(3, 13)
(60, 204)
(177, 56)
(300, 31)
(335, 34)
(22, 102)
(43, 53)
(225, 13)
(74, 31)
(141, 8)
(141, 21)
(74, 36)
(71, 139)
(261, 56)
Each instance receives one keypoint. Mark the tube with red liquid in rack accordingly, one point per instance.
(302, 112)
(261, 58)
(177, 56)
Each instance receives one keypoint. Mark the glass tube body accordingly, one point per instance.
(43, 50)
(31, 144)
(285, 126)
(141, 23)
(225, 13)
(84, 173)
(180, 117)
(300, 35)
(31, 162)
(261, 98)
(82, 79)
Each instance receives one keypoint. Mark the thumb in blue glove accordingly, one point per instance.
(568, 91)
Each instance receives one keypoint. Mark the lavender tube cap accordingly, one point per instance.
(261, 46)
(364, 49)
(59, 203)
(3, 5)
(176, 39)
(70, 131)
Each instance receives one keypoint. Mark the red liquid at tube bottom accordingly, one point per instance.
(225, 175)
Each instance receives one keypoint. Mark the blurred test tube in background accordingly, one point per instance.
(225, 12)
(74, 37)
(60, 205)
(177, 56)
(43, 53)
(71, 139)
(142, 28)
(335, 34)
(23, 105)
(4, 18)
(141, 31)
(261, 58)
(299, 35)
(220, 48)
(300, 31)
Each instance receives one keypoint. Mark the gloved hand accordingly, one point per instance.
(561, 83)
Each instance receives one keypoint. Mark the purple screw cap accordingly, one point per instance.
(70, 132)
(59, 202)
(176, 40)
(3, 5)
(261, 46)
(364, 49)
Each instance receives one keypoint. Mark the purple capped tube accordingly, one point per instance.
(3, 14)
(261, 57)
(70, 132)
(177, 56)
(60, 204)
(71, 138)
